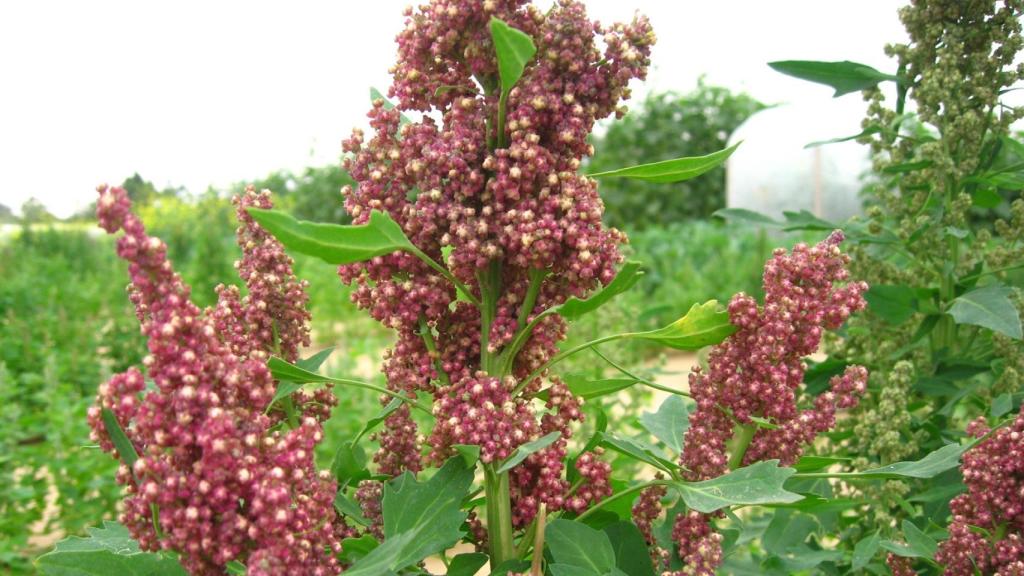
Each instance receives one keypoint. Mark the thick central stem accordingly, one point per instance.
(499, 516)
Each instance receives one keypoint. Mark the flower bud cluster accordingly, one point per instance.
(495, 208)
(212, 482)
(987, 532)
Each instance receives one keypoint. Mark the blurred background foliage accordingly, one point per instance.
(67, 323)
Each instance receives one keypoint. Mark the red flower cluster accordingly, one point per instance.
(216, 480)
(987, 532)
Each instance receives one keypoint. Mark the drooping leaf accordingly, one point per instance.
(525, 450)
(589, 389)
(467, 564)
(759, 483)
(989, 307)
(894, 304)
(635, 449)
(335, 243)
(675, 170)
(631, 554)
(745, 215)
(286, 388)
(864, 551)
(703, 325)
(669, 423)
(843, 76)
(107, 550)
(573, 308)
(124, 446)
(580, 546)
(514, 49)
(945, 458)
(420, 519)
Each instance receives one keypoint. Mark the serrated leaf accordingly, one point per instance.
(864, 551)
(945, 458)
(573, 308)
(420, 519)
(669, 171)
(894, 304)
(669, 423)
(107, 550)
(843, 76)
(523, 451)
(124, 446)
(703, 325)
(759, 483)
(467, 564)
(335, 243)
(989, 307)
(631, 554)
(514, 49)
(580, 546)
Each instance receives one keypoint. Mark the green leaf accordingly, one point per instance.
(864, 551)
(377, 94)
(844, 76)
(124, 445)
(669, 423)
(580, 546)
(514, 49)
(349, 464)
(348, 508)
(636, 449)
(675, 170)
(236, 568)
(921, 543)
(989, 307)
(376, 420)
(873, 129)
(812, 463)
(420, 519)
(573, 308)
(470, 453)
(759, 483)
(986, 197)
(945, 458)
(525, 450)
(631, 555)
(589, 389)
(467, 564)
(352, 549)
(744, 215)
(335, 243)
(894, 304)
(804, 220)
(286, 388)
(703, 325)
(1001, 404)
(107, 550)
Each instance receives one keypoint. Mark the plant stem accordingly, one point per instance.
(538, 542)
(537, 276)
(490, 288)
(563, 355)
(502, 105)
(631, 490)
(499, 516)
(644, 381)
(741, 437)
(428, 341)
(360, 384)
(444, 272)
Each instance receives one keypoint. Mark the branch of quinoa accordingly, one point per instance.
(742, 435)
(538, 542)
(444, 272)
(499, 516)
(428, 340)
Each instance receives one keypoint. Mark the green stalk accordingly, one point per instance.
(742, 435)
(444, 272)
(631, 490)
(563, 355)
(499, 516)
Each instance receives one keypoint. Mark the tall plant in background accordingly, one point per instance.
(943, 339)
(667, 125)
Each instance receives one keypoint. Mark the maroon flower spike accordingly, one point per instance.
(212, 482)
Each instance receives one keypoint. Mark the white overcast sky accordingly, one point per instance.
(196, 93)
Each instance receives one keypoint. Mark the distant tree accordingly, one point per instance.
(664, 126)
(7, 215)
(34, 212)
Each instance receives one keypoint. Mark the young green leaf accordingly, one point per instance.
(573, 308)
(514, 49)
(638, 450)
(668, 171)
(759, 483)
(864, 551)
(236, 568)
(669, 423)
(579, 546)
(894, 304)
(525, 450)
(989, 307)
(588, 389)
(703, 325)
(631, 554)
(945, 458)
(467, 564)
(844, 76)
(420, 519)
(124, 445)
(286, 388)
(335, 243)
(107, 550)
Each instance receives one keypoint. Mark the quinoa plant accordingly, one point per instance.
(478, 241)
